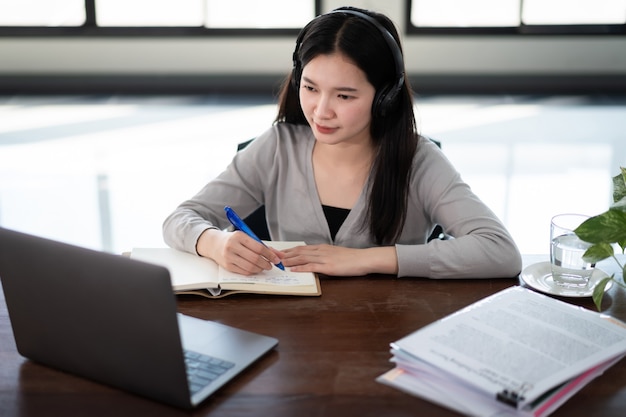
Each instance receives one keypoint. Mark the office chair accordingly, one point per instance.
(258, 222)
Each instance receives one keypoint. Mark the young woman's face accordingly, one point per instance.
(336, 99)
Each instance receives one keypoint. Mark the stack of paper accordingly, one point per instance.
(515, 353)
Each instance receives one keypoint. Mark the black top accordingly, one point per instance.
(335, 217)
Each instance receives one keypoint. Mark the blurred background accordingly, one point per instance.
(114, 111)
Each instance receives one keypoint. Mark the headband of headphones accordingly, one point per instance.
(387, 95)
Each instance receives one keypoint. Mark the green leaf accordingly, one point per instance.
(620, 204)
(598, 252)
(598, 292)
(619, 185)
(608, 227)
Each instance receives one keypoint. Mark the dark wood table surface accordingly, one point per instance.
(331, 349)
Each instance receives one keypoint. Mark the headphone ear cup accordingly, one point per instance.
(296, 73)
(295, 78)
(376, 104)
(385, 100)
(382, 102)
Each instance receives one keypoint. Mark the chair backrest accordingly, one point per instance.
(257, 220)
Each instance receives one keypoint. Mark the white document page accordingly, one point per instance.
(517, 340)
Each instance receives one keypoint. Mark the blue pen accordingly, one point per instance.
(239, 224)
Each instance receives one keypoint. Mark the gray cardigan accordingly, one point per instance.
(275, 170)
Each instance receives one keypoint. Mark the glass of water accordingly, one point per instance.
(566, 252)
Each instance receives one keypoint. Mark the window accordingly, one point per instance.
(517, 16)
(137, 13)
(141, 17)
(207, 13)
(259, 14)
(574, 12)
(42, 13)
(465, 13)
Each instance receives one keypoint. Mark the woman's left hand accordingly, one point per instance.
(340, 261)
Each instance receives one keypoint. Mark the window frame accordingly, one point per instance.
(521, 30)
(91, 29)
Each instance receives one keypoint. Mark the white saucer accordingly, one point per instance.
(539, 277)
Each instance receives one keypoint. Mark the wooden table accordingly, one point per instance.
(331, 350)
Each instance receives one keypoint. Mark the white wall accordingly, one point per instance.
(424, 55)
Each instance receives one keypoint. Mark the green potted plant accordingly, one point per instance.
(604, 231)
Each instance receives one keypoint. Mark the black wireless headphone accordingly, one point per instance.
(385, 96)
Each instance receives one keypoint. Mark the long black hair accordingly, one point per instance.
(393, 128)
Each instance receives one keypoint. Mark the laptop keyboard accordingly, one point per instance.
(203, 369)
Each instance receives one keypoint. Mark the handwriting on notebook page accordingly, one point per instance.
(273, 276)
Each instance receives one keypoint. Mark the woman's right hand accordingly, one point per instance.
(236, 251)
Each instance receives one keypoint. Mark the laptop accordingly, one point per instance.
(114, 320)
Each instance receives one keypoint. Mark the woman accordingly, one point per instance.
(344, 170)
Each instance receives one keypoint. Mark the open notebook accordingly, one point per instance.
(192, 274)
